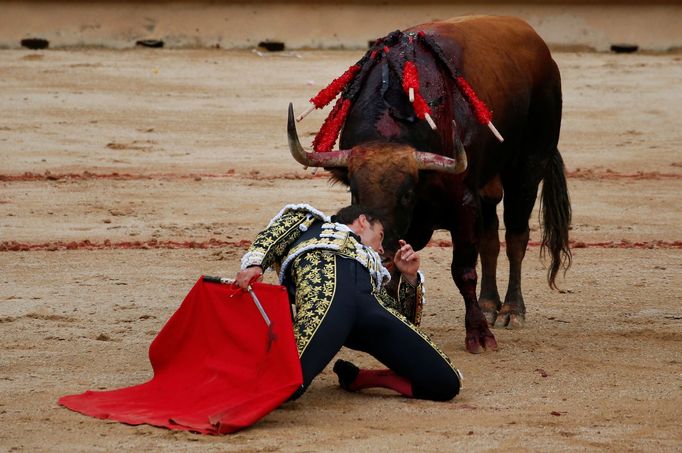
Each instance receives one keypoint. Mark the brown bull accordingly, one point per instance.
(394, 160)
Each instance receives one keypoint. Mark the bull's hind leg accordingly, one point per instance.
(521, 181)
(519, 198)
(489, 249)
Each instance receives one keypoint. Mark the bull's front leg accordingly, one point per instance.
(465, 252)
(478, 335)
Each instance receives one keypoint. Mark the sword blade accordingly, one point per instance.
(258, 304)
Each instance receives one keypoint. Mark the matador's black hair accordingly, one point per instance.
(348, 214)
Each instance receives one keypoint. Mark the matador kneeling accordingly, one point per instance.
(333, 272)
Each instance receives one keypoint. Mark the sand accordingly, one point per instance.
(126, 175)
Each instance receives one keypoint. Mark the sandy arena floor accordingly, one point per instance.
(127, 174)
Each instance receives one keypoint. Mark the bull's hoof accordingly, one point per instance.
(490, 343)
(510, 321)
(501, 321)
(473, 345)
(516, 321)
(476, 344)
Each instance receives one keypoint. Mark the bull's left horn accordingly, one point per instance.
(314, 159)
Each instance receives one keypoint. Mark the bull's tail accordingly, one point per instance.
(556, 218)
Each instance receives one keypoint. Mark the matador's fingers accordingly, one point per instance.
(255, 278)
(408, 256)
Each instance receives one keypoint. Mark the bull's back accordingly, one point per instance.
(512, 71)
(481, 44)
(502, 58)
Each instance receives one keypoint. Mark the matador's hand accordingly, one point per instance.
(247, 276)
(407, 261)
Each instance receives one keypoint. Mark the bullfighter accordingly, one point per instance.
(343, 296)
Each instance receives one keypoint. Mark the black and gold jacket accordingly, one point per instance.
(297, 229)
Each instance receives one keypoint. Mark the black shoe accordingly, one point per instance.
(347, 372)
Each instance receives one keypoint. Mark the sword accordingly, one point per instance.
(260, 307)
(229, 281)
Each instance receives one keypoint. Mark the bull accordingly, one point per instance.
(451, 172)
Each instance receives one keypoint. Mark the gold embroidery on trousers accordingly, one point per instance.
(314, 274)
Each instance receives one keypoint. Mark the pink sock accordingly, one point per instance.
(382, 378)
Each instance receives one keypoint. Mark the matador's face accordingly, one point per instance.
(371, 233)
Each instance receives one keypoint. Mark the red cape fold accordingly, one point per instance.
(215, 369)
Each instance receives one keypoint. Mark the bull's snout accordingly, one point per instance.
(388, 264)
(387, 258)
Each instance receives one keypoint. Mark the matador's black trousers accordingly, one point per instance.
(336, 307)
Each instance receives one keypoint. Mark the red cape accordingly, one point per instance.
(215, 369)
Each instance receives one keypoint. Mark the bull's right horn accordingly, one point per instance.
(460, 152)
(430, 161)
(436, 162)
(313, 159)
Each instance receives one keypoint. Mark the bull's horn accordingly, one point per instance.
(314, 159)
(444, 164)
(430, 161)
(460, 152)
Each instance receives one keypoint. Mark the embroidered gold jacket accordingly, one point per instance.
(285, 239)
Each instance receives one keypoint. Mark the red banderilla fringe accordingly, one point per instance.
(481, 111)
(326, 95)
(421, 108)
(329, 132)
(411, 80)
(410, 77)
